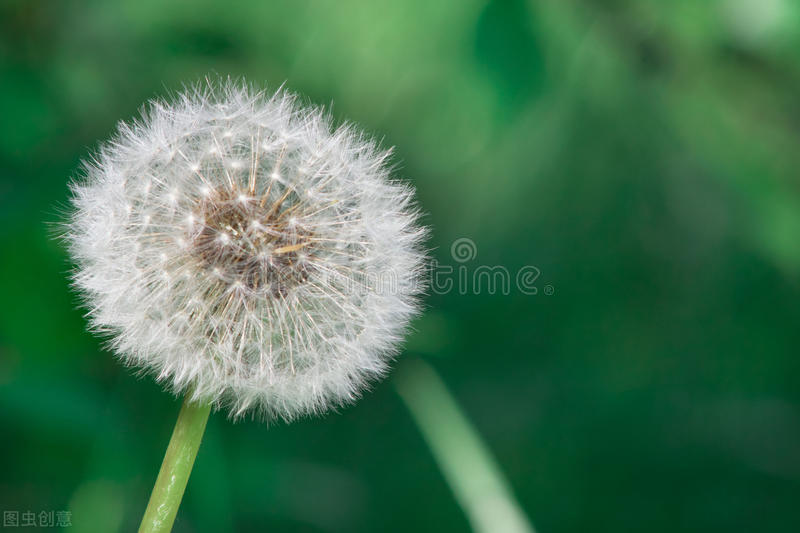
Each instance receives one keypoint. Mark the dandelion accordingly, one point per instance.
(247, 254)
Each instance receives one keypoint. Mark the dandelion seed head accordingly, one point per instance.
(231, 271)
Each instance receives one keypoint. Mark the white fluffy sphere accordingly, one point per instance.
(235, 245)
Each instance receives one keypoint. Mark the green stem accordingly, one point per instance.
(466, 462)
(176, 467)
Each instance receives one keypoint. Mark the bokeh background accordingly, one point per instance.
(643, 155)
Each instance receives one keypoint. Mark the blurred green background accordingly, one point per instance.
(643, 155)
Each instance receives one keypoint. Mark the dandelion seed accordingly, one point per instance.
(249, 283)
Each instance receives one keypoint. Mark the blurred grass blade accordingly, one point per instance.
(466, 462)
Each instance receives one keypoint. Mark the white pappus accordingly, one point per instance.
(237, 246)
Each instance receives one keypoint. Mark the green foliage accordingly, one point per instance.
(643, 155)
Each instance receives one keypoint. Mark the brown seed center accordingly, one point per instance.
(259, 243)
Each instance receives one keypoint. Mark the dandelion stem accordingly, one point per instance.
(176, 468)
